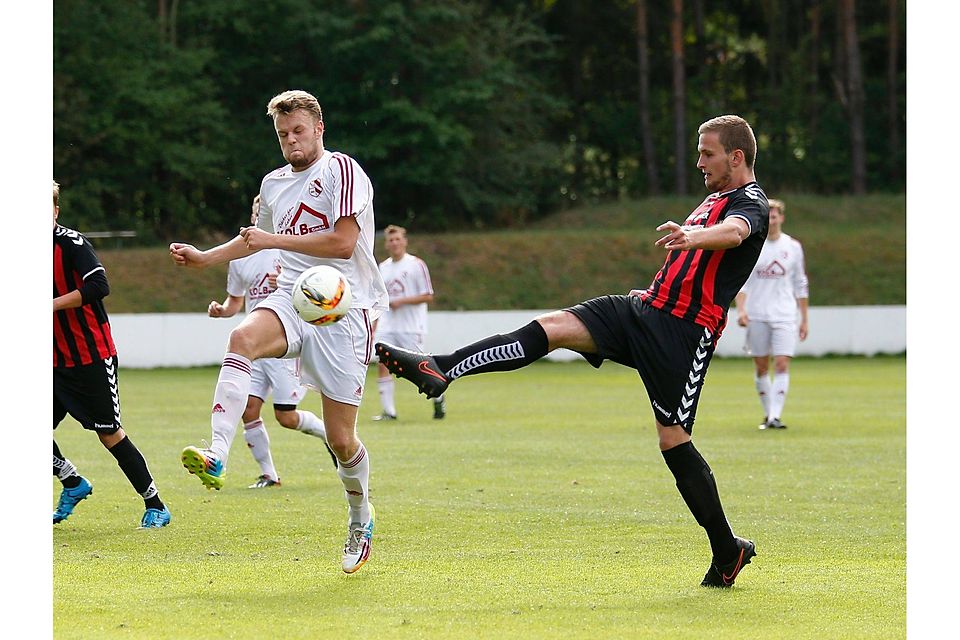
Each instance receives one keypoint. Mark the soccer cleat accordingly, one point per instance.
(204, 465)
(356, 551)
(419, 368)
(155, 518)
(776, 424)
(69, 498)
(723, 576)
(265, 481)
(384, 417)
(439, 408)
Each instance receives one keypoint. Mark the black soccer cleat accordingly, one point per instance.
(419, 368)
(723, 576)
(776, 424)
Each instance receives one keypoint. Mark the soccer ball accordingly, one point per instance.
(321, 295)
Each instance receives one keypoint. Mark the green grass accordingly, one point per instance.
(539, 508)
(855, 249)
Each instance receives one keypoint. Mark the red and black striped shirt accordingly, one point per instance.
(82, 335)
(699, 285)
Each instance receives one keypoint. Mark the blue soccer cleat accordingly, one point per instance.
(203, 464)
(69, 499)
(155, 518)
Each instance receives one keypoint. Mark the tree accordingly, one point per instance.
(643, 85)
(680, 138)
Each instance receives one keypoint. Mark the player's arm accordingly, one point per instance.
(804, 304)
(339, 244)
(228, 309)
(187, 255)
(94, 286)
(726, 235)
(742, 318)
(399, 302)
(801, 288)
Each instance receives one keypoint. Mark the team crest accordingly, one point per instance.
(315, 189)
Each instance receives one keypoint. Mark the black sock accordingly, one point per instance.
(502, 352)
(135, 468)
(60, 464)
(699, 490)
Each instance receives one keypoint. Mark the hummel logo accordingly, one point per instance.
(217, 408)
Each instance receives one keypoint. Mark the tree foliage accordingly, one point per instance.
(473, 113)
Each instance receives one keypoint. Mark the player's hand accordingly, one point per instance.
(256, 238)
(803, 331)
(215, 310)
(677, 237)
(743, 320)
(186, 255)
(637, 292)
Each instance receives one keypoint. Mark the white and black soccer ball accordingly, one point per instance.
(321, 295)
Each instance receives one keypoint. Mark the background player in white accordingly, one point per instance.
(405, 323)
(317, 209)
(249, 281)
(767, 306)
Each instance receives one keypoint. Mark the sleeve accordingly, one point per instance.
(751, 205)
(801, 284)
(265, 216)
(95, 285)
(426, 286)
(351, 187)
(235, 284)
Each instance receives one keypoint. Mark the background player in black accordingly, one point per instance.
(668, 332)
(85, 372)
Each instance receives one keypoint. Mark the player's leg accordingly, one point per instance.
(134, 467)
(256, 436)
(288, 392)
(385, 386)
(783, 346)
(758, 342)
(501, 352)
(262, 334)
(75, 486)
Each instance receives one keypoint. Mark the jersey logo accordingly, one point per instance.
(772, 270)
(306, 220)
(315, 188)
(74, 236)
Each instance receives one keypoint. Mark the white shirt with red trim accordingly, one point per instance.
(311, 201)
(248, 277)
(404, 278)
(777, 281)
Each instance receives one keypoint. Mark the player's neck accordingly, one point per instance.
(774, 234)
(738, 180)
(399, 257)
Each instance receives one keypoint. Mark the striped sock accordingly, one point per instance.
(502, 352)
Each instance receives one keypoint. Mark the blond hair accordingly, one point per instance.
(289, 101)
(395, 229)
(735, 133)
(777, 204)
(56, 193)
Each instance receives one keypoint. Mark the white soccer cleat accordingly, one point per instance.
(356, 550)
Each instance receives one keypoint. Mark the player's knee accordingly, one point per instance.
(343, 444)
(242, 341)
(287, 418)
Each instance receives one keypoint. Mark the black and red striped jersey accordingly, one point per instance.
(699, 285)
(82, 335)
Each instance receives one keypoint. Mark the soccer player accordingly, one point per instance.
(249, 281)
(405, 323)
(767, 306)
(317, 209)
(85, 373)
(667, 332)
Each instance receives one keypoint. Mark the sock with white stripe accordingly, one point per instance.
(64, 469)
(258, 440)
(355, 476)
(763, 390)
(778, 393)
(386, 386)
(134, 466)
(229, 400)
(502, 352)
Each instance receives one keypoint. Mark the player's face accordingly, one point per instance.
(776, 219)
(56, 212)
(395, 244)
(714, 162)
(300, 134)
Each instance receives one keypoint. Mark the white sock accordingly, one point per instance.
(229, 400)
(386, 386)
(778, 394)
(258, 440)
(763, 390)
(355, 476)
(311, 425)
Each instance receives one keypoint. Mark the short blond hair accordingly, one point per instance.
(289, 101)
(393, 228)
(777, 204)
(56, 193)
(735, 133)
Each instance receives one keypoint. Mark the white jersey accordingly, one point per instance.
(247, 277)
(311, 201)
(777, 281)
(404, 278)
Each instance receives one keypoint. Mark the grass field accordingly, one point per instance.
(539, 508)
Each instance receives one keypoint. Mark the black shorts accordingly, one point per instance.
(90, 394)
(671, 354)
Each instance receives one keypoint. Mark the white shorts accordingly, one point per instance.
(273, 376)
(334, 358)
(409, 341)
(771, 338)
